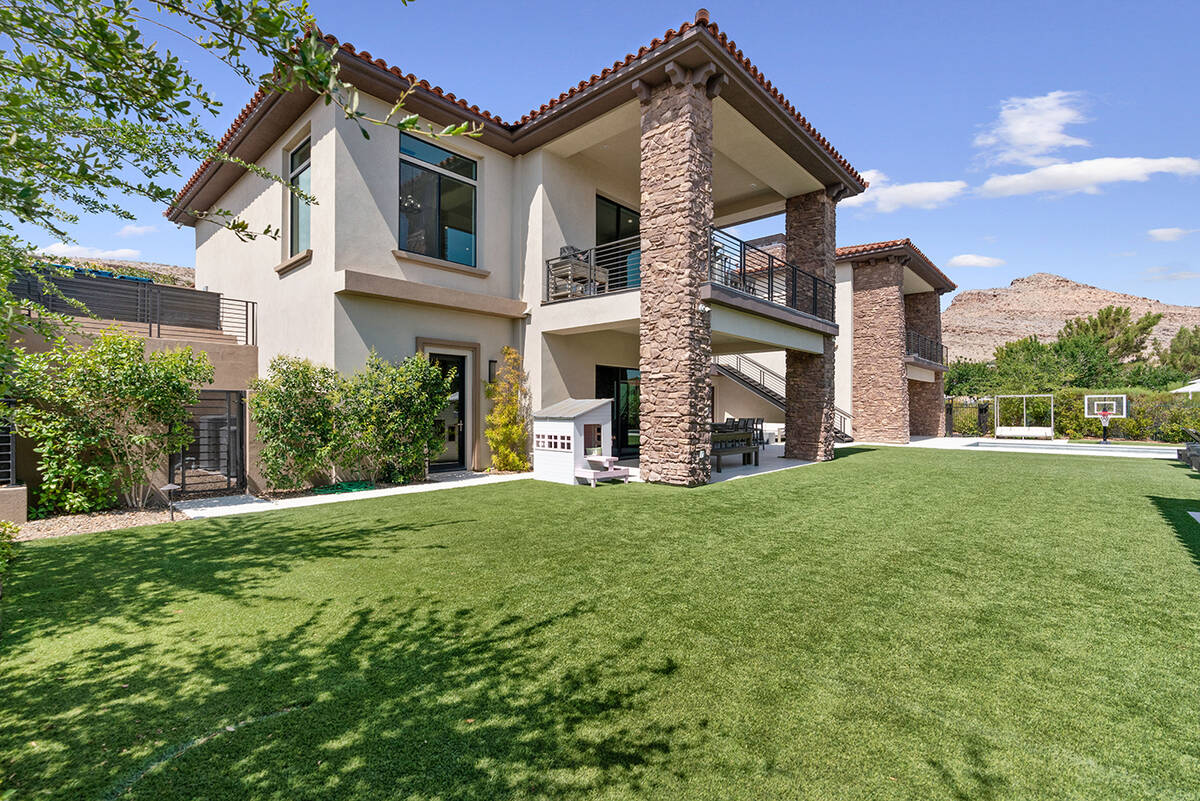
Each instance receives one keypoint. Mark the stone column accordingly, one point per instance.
(676, 335)
(878, 383)
(927, 405)
(810, 242)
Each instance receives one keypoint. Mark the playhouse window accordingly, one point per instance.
(552, 442)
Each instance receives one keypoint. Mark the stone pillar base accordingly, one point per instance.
(808, 424)
(927, 408)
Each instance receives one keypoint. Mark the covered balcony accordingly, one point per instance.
(925, 351)
(731, 264)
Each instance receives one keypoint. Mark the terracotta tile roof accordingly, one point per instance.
(874, 247)
(858, 250)
(701, 22)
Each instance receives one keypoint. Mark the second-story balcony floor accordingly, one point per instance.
(925, 351)
(739, 275)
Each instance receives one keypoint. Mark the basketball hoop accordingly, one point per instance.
(1105, 416)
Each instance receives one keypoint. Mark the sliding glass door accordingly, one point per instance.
(623, 385)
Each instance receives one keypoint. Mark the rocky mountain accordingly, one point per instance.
(978, 320)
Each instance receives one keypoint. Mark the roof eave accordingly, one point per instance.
(692, 49)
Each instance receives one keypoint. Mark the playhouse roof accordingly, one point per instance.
(571, 408)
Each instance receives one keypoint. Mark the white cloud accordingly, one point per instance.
(974, 260)
(134, 230)
(1086, 176)
(1030, 129)
(83, 252)
(1169, 274)
(885, 196)
(1169, 234)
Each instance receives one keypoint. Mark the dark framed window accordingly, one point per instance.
(437, 201)
(614, 221)
(300, 212)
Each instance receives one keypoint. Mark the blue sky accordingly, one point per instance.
(1004, 139)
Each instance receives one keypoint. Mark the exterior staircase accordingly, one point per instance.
(771, 387)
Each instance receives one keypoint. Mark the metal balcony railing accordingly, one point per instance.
(136, 303)
(730, 262)
(746, 268)
(923, 347)
(611, 267)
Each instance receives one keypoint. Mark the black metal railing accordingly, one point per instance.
(757, 373)
(923, 347)
(617, 266)
(139, 303)
(215, 461)
(746, 268)
(611, 267)
(8, 455)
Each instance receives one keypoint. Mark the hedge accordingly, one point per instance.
(1151, 415)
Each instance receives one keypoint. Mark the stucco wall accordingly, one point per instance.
(569, 363)
(731, 399)
(843, 370)
(392, 329)
(367, 209)
(295, 310)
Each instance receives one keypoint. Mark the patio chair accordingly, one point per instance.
(759, 438)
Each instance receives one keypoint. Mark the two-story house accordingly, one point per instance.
(590, 235)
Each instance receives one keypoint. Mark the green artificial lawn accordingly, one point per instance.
(899, 623)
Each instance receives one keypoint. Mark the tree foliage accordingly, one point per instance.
(96, 109)
(1124, 337)
(1183, 352)
(1103, 351)
(508, 423)
(104, 417)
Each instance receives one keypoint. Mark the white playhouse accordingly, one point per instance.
(572, 440)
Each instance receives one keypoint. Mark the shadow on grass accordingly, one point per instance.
(1186, 528)
(976, 781)
(74, 582)
(854, 450)
(398, 702)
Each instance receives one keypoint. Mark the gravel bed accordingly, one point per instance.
(63, 525)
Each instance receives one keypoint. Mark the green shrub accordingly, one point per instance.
(104, 417)
(508, 423)
(1153, 415)
(379, 422)
(293, 411)
(385, 421)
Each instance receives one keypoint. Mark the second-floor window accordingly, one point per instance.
(437, 201)
(299, 176)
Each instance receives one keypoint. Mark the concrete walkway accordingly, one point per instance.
(226, 505)
(1058, 447)
(770, 460)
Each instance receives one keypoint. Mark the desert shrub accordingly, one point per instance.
(385, 422)
(104, 416)
(966, 423)
(293, 409)
(508, 423)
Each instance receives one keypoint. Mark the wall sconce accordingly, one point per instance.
(491, 371)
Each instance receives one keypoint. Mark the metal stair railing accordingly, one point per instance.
(759, 374)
